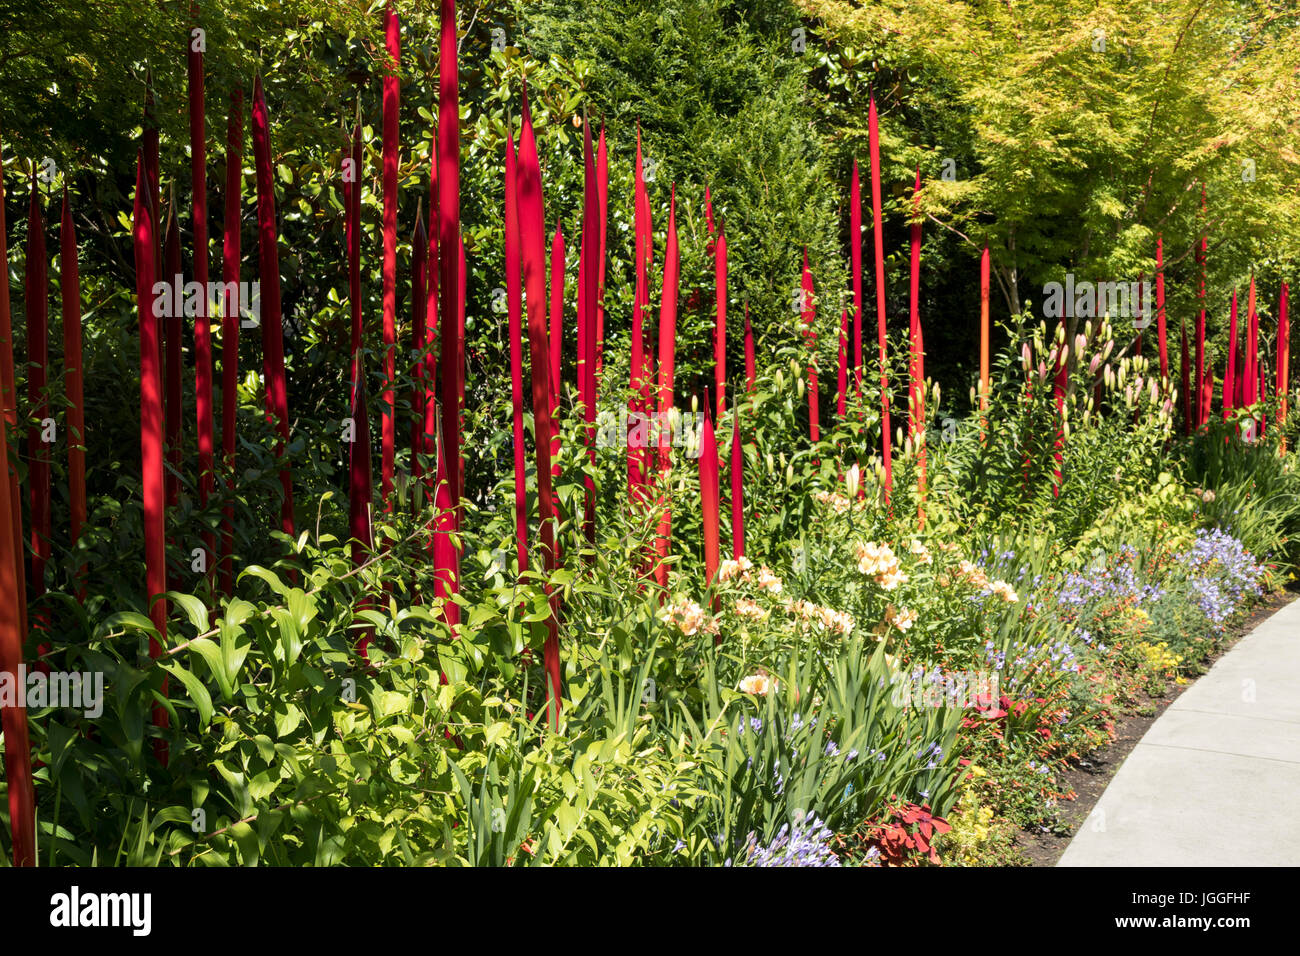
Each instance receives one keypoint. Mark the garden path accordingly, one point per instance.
(1213, 781)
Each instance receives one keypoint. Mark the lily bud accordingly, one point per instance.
(852, 480)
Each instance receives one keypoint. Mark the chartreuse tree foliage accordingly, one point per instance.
(1082, 131)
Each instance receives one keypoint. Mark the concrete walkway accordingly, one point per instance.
(1214, 780)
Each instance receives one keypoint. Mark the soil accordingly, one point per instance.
(1090, 777)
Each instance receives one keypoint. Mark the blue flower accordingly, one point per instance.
(806, 844)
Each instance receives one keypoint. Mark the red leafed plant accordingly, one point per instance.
(905, 835)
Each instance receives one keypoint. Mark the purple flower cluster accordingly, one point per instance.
(1223, 574)
(1118, 582)
(804, 844)
(1059, 655)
